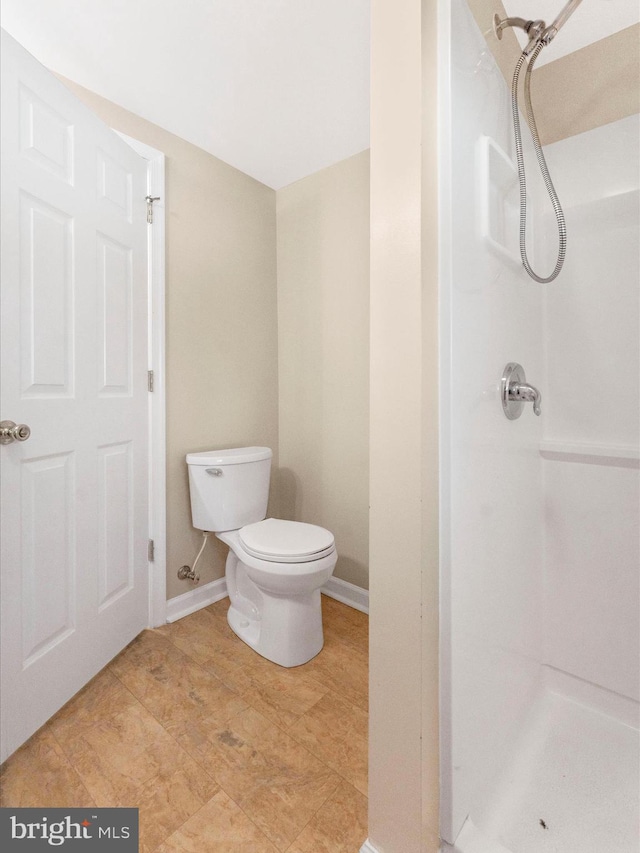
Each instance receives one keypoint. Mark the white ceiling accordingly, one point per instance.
(591, 21)
(277, 88)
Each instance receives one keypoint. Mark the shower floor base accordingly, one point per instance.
(573, 784)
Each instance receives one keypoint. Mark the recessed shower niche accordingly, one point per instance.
(499, 200)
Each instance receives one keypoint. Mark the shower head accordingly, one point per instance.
(537, 31)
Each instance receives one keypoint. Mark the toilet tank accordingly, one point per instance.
(229, 488)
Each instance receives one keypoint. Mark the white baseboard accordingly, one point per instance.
(203, 596)
(195, 599)
(347, 593)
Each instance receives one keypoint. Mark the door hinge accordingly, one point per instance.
(150, 379)
(150, 199)
(151, 549)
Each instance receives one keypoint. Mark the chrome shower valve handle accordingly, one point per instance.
(528, 394)
(515, 391)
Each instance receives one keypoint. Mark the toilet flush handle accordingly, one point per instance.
(215, 472)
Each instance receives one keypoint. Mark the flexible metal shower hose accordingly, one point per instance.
(562, 228)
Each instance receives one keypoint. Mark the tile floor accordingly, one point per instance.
(220, 749)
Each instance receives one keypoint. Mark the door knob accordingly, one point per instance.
(516, 391)
(13, 432)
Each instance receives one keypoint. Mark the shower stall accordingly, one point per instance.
(540, 635)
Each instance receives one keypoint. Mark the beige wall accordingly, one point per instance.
(403, 742)
(323, 322)
(221, 319)
(590, 87)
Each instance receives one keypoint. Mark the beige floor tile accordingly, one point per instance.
(282, 695)
(340, 825)
(207, 638)
(102, 698)
(228, 652)
(39, 775)
(345, 624)
(335, 731)
(179, 693)
(218, 613)
(219, 610)
(167, 726)
(130, 760)
(343, 669)
(151, 650)
(219, 827)
(118, 757)
(275, 781)
(191, 634)
(166, 802)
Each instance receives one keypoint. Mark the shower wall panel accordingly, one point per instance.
(492, 555)
(574, 767)
(592, 422)
(539, 540)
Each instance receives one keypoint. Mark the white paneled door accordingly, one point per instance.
(74, 512)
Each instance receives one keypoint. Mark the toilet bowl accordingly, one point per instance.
(275, 568)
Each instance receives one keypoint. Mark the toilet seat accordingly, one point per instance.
(278, 541)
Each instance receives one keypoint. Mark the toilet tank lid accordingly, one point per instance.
(233, 456)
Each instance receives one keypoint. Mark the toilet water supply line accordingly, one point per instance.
(185, 573)
(539, 35)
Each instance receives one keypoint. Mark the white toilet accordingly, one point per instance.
(275, 568)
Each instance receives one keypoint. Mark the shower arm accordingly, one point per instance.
(537, 31)
(534, 29)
